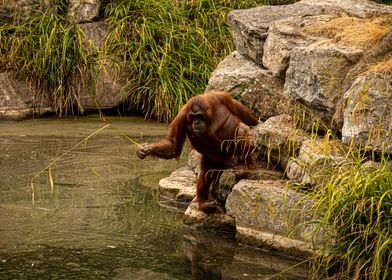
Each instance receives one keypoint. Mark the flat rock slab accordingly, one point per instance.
(178, 189)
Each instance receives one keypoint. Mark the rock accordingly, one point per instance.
(230, 177)
(104, 86)
(285, 35)
(277, 140)
(270, 215)
(368, 117)
(18, 100)
(17, 9)
(251, 26)
(217, 222)
(234, 74)
(356, 8)
(84, 10)
(178, 189)
(250, 83)
(95, 33)
(315, 76)
(316, 162)
(265, 96)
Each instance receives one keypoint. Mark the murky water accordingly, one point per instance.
(94, 214)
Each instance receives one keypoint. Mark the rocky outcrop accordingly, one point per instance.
(303, 68)
(319, 50)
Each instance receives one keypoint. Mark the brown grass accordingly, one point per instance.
(382, 67)
(350, 31)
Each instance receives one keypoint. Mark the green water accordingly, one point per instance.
(101, 217)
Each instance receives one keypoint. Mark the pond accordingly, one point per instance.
(76, 203)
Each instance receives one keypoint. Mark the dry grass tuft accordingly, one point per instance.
(382, 67)
(350, 31)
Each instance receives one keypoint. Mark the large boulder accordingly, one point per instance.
(269, 214)
(315, 76)
(278, 140)
(285, 35)
(316, 162)
(251, 26)
(368, 117)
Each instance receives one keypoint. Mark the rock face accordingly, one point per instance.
(368, 117)
(319, 50)
(18, 99)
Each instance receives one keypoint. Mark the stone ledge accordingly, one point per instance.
(275, 242)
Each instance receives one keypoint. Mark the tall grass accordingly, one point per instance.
(48, 50)
(355, 210)
(171, 48)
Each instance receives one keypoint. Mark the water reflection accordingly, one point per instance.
(103, 219)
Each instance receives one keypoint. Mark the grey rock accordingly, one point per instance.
(368, 117)
(18, 100)
(17, 9)
(285, 35)
(218, 222)
(277, 140)
(271, 214)
(251, 26)
(84, 10)
(316, 161)
(179, 189)
(315, 76)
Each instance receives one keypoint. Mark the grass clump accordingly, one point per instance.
(171, 48)
(355, 210)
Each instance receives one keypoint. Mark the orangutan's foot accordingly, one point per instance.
(207, 206)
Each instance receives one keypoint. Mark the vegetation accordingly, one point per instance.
(356, 205)
(48, 50)
(353, 200)
(171, 48)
